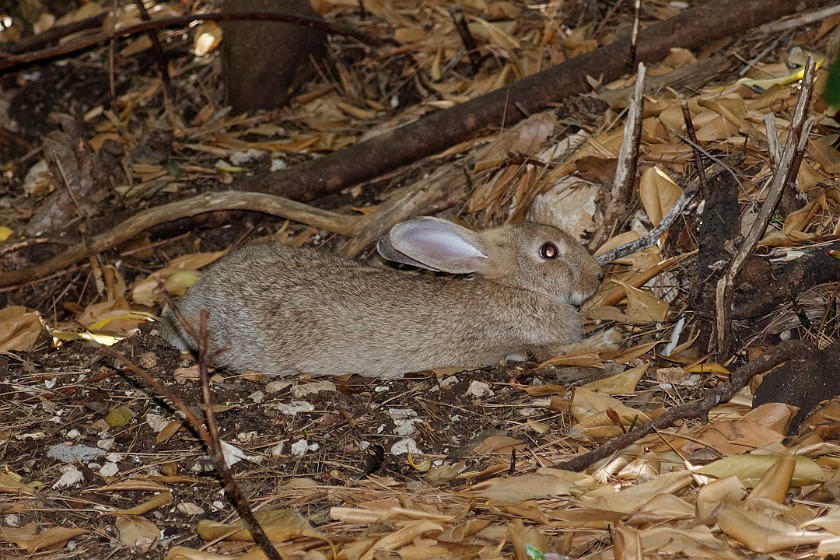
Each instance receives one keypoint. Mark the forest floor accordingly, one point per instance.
(442, 464)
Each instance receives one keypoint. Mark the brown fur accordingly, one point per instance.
(283, 310)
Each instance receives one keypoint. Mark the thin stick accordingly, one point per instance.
(695, 148)
(671, 216)
(217, 454)
(655, 234)
(785, 172)
(160, 55)
(625, 173)
(697, 409)
(209, 434)
(466, 37)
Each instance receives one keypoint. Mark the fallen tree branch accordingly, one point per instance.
(15, 61)
(440, 130)
(212, 202)
(698, 409)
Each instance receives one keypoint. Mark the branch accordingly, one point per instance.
(628, 161)
(212, 202)
(10, 62)
(440, 130)
(697, 409)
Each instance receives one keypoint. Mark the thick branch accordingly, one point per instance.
(440, 130)
(212, 202)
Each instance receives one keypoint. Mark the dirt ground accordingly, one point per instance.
(446, 464)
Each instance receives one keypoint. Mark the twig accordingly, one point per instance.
(785, 172)
(625, 173)
(695, 147)
(232, 489)
(162, 390)
(209, 434)
(655, 234)
(213, 202)
(466, 37)
(800, 20)
(160, 55)
(8, 61)
(697, 409)
(673, 213)
(52, 34)
(634, 35)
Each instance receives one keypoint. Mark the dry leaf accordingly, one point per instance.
(749, 468)
(775, 483)
(20, 328)
(137, 532)
(521, 488)
(658, 193)
(407, 534)
(621, 384)
(146, 291)
(279, 525)
(643, 306)
(763, 533)
(497, 444)
(632, 499)
(727, 490)
(54, 537)
(590, 409)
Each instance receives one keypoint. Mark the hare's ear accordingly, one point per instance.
(435, 244)
(387, 251)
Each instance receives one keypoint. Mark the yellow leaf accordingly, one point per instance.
(119, 416)
(207, 37)
(59, 336)
(708, 367)
(785, 79)
(179, 281)
(146, 291)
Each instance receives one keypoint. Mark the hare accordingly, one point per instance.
(282, 310)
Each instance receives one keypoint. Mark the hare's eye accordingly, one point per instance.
(549, 250)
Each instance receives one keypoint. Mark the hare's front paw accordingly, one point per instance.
(607, 341)
(604, 341)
